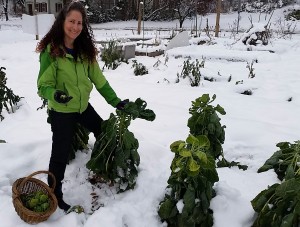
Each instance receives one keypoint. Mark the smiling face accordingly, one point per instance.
(72, 27)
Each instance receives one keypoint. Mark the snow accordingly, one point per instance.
(254, 124)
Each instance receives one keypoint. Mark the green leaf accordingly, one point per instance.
(179, 162)
(201, 156)
(129, 141)
(264, 168)
(287, 220)
(288, 188)
(205, 98)
(192, 140)
(283, 145)
(192, 173)
(192, 165)
(260, 200)
(175, 145)
(166, 209)
(189, 200)
(204, 202)
(135, 157)
(289, 173)
(210, 163)
(185, 153)
(147, 115)
(220, 109)
(181, 146)
(214, 118)
(209, 170)
(297, 207)
(203, 142)
(211, 129)
(213, 97)
(121, 159)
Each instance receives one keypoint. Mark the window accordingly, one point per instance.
(41, 7)
(58, 7)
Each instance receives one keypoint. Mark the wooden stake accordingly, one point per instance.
(219, 5)
(36, 21)
(140, 18)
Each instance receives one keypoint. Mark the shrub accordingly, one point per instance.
(205, 121)
(192, 72)
(115, 155)
(111, 55)
(295, 15)
(279, 204)
(139, 68)
(7, 97)
(190, 186)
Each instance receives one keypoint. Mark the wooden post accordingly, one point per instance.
(140, 18)
(196, 24)
(239, 17)
(36, 21)
(219, 4)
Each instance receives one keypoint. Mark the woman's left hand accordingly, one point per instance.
(121, 104)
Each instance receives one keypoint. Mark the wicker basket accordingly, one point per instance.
(27, 185)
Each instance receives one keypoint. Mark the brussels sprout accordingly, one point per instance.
(45, 206)
(33, 203)
(43, 198)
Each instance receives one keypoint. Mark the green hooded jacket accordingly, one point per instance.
(75, 78)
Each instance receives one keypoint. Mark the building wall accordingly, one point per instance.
(49, 6)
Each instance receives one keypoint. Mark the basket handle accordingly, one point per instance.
(39, 172)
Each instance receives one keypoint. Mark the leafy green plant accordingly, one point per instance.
(192, 72)
(189, 189)
(279, 205)
(112, 55)
(80, 140)
(7, 97)
(295, 15)
(251, 69)
(115, 154)
(205, 121)
(285, 161)
(139, 68)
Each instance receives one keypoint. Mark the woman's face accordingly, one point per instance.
(72, 27)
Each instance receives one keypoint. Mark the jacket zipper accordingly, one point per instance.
(78, 87)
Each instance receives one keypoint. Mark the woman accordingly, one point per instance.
(68, 70)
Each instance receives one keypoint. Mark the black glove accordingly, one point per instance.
(61, 97)
(121, 104)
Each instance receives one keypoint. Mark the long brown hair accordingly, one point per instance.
(84, 44)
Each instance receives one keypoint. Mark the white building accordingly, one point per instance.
(44, 6)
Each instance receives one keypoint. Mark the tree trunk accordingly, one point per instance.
(219, 4)
(5, 7)
(181, 20)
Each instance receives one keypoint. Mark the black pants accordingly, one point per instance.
(63, 127)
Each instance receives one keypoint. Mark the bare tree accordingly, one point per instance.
(5, 8)
(184, 9)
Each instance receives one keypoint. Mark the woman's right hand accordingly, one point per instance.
(61, 97)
